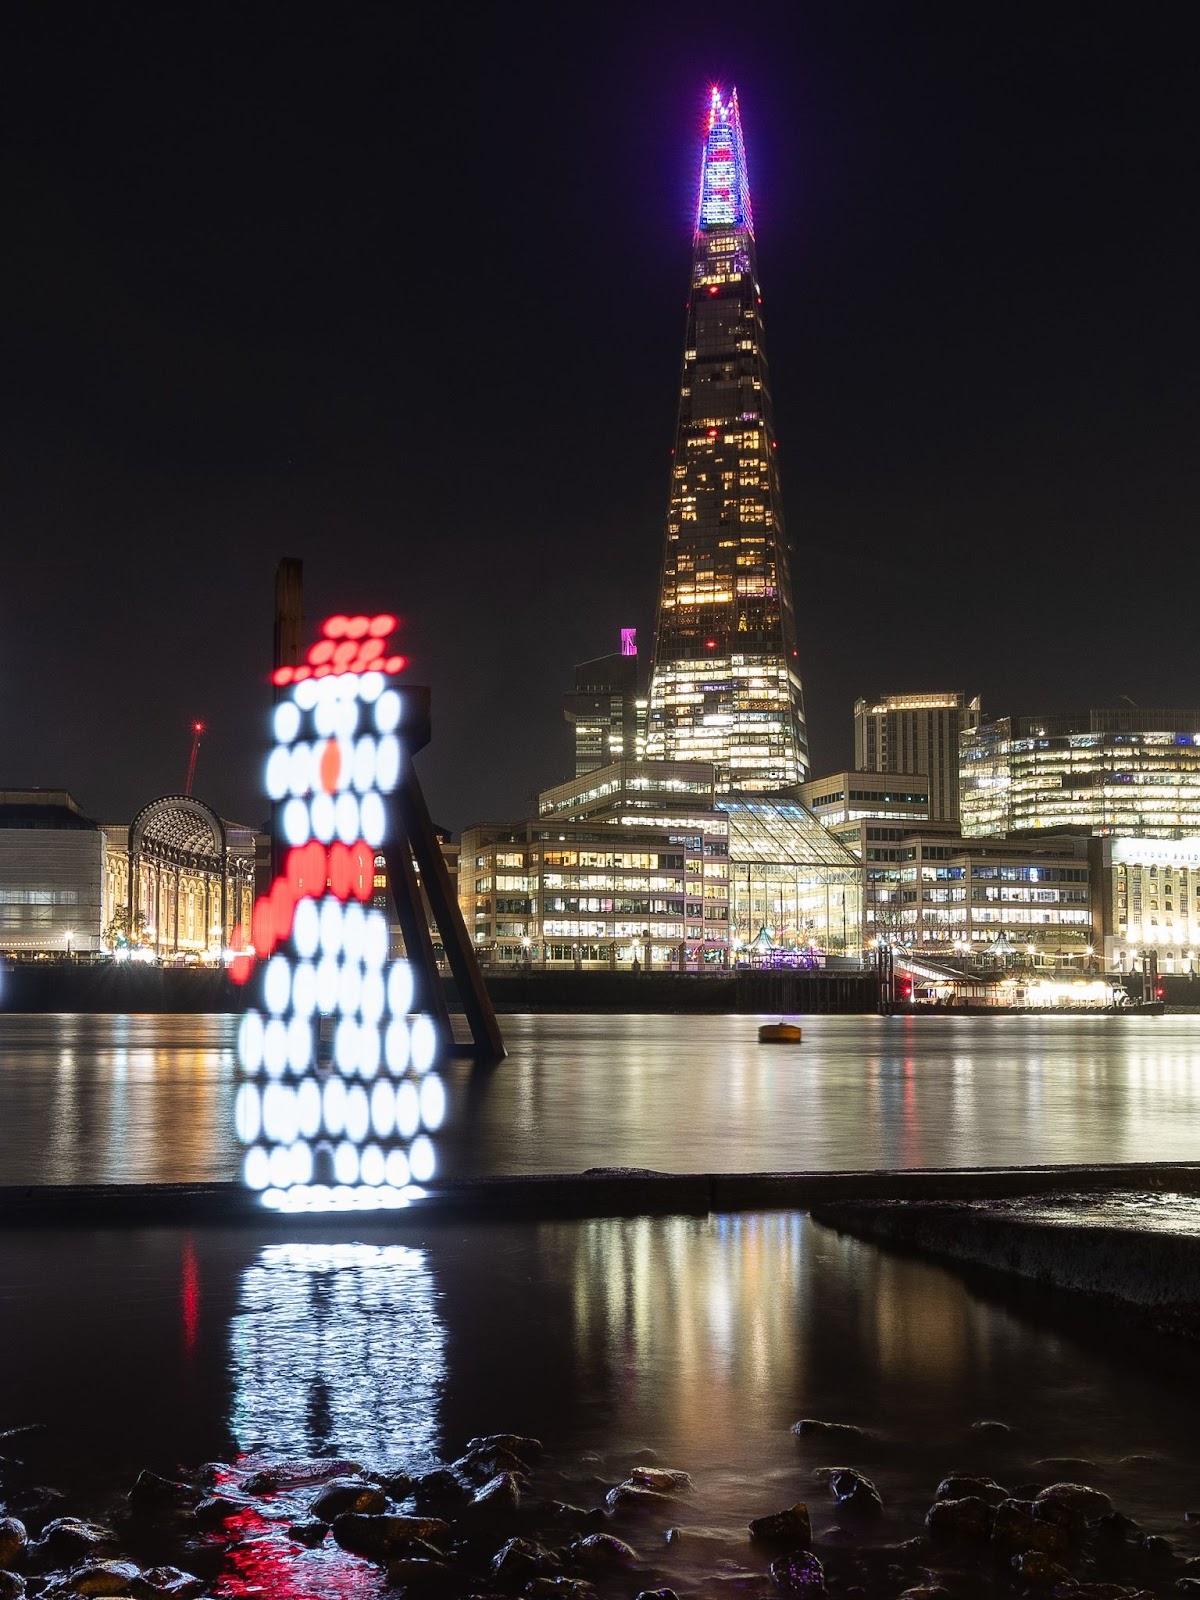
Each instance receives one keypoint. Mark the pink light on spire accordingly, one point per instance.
(629, 641)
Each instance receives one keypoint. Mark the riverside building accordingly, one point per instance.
(1117, 770)
(725, 686)
(916, 734)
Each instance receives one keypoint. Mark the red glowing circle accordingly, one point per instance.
(315, 868)
(262, 926)
(283, 909)
(323, 672)
(344, 654)
(240, 968)
(341, 871)
(380, 626)
(299, 675)
(281, 676)
(395, 664)
(369, 650)
(321, 651)
(357, 627)
(330, 767)
(335, 627)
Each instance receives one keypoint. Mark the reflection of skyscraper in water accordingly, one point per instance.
(338, 1349)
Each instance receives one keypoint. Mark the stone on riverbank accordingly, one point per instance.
(347, 1494)
(13, 1540)
(420, 1577)
(846, 1431)
(855, 1493)
(296, 1474)
(603, 1550)
(634, 1497)
(967, 1520)
(663, 1480)
(1016, 1529)
(172, 1583)
(799, 1572)
(961, 1485)
(384, 1538)
(96, 1578)
(67, 1540)
(791, 1527)
(12, 1585)
(1071, 1505)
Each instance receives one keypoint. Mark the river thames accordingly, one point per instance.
(98, 1099)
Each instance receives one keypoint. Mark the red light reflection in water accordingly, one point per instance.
(265, 1561)
(189, 1296)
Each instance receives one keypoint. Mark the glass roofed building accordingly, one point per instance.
(793, 886)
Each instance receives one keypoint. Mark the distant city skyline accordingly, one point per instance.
(402, 299)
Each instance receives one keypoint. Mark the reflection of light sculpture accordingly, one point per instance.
(337, 1103)
(339, 1349)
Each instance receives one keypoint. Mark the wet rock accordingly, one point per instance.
(1158, 1548)
(398, 1485)
(967, 1520)
(215, 1509)
(1037, 1571)
(657, 1594)
(1064, 1466)
(417, 1576)
(439, 1492)
(97, 1577)
(151, 1493)
(603, 1550)
(990, 1425)
(384, 1538)
(12, 1585)
(311, 1532)
(526, 1449)
(1016, 1529)
(799, 1572)
(13, 1540)
(792, 1527)
(518, 1560)
(499, 1497)
(663, 1480)
(960, 1486)
(846, 1431)
(1182, 1585)
(559, 1588)
(855, 1493)
(1114, 1525)
(170, 1582)
(347, 1494)
(67, 1540)
(557, 1516)
(477, 1466)
(1071, 1505)
(633, 1497)
(298, 1474)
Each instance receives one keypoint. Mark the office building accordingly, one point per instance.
(52, 870)
(604, 710)
(1115, 770)
(1147, 901)
(916, 734)
(725, 686)
(842, 799)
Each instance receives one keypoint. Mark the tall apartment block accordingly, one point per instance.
(604, 710)
(725, 685)
(916, 733)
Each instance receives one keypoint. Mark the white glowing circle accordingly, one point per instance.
(395, 1047)
(387, 764)
(277, 985)
(370, 1048)
(345, 1164)
(300, 770)
(276, 1199)
(364, 764)
(358, 1113)
(345, 817)
(400, 988)
(331, 927)
(278, 767)
(375, 941)
(424, 1044)
(354, 926)
(280, 1116)
(301, 1162)
(299, 1045)
(306, 928)
(370, 686)
(325, 718)
(256, 1170)
(345, 1046)
(349, 985)
(275, 1043)
(305, 693)
(387, 712)
(396, 1169)
(308, 1108)
(383, 1109)
(371, 1166)
(304, 989)
(373, 818)
(346, 718)
(433, 1103)
(322, 817)
(281, 1167)
(328, 975)
(250, 1041)
(286, 721)
(296, 822)
(422, 1160)
(408, 1110)
(347, 686)
(372, 998)
(247, 1113)
(333, 1105)
(327, 689)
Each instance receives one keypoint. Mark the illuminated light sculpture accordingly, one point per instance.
(339, 1097)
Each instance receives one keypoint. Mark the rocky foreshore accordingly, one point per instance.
(505, 1521)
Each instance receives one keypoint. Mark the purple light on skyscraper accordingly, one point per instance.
(629, 641)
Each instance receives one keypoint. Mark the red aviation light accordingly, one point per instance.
(712, 288)
(710, 644)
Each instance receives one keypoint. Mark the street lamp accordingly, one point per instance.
(70, 934)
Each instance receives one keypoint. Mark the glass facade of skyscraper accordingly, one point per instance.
(725, 685)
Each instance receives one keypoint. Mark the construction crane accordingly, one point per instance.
(197, 730)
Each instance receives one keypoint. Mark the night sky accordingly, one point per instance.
(401, 292)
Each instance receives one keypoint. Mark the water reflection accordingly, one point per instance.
(338, 1349)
